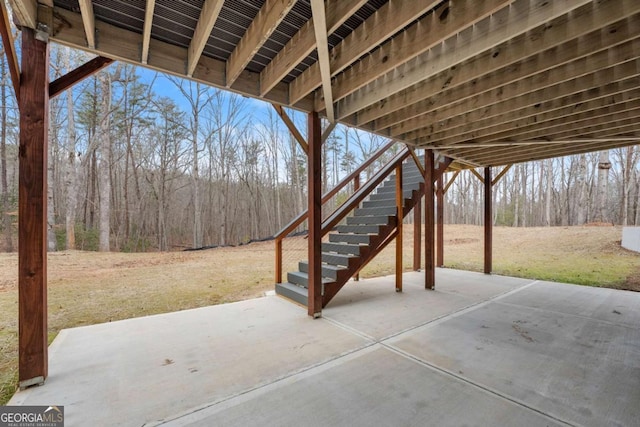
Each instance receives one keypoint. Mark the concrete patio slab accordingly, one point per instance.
(479, 350)
(373, 308)
(139, 370)
(566, 362)
(373, 387)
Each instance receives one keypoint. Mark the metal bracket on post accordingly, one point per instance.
(45, 23)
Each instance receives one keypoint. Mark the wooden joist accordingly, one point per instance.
(269, 17)
(146, 32)
(208, 16)
(590, 19)
(507, 23)
(304, 41)
(322, 47)
(388, 20)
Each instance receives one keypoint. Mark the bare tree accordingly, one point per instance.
(104, 153)
(4, 122)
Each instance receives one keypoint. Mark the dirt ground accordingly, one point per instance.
(88, 287)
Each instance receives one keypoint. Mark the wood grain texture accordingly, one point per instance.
(32, 210)
(315, 215)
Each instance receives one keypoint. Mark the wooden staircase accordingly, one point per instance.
(367, 231)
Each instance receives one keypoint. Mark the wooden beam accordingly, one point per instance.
(386, 21)
(208, 16)
(304, 41)
(32, 211)
(399, 223)
(26, 12)
(518, 18)
(259, 31)
(314, 307)
(87, 69)
(322, 46)
(450, 182)
(416, 159)
(582, 29)
(440, 220)
(88, 21)
(488, 222)
(9, 49)
(292, 127)
(502, 173)
(477, 175)
(429, 232)
(124, 45)
(327, 132)
(146, 32)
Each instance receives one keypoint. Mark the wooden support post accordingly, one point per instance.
(488, 221)
(429, 232)
(315, 215)
(32, 211)
(399, 218)
(417, 235)
(356, 187)
(440, 220)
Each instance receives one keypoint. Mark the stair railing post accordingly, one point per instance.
(399, 218)
(278, 260)
(314, 172)
(356, 187)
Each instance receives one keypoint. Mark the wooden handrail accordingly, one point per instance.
(355, 175)
(357, 197)
(300, 218)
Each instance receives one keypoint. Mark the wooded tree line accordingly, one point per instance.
(601, 187)
(131, 169)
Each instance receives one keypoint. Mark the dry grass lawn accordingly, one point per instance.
(87, 287)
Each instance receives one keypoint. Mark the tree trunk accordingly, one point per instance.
(70, 177)
(548, 193)
(51, 221)
(581, 184)
(105, 163)
(6, 218)
(603, 185)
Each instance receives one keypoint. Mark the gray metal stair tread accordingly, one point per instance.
(304, 277)
(358, 229)
(339, 259)
(369, 219)
(355, 239)
(378, 210)
(293, 292)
